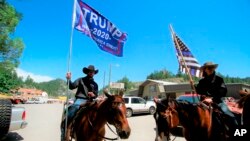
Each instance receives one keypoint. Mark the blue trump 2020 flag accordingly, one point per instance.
(108, 37)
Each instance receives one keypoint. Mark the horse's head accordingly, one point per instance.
(171, 114)
(117, 114)
(162, 127)
(167, 108)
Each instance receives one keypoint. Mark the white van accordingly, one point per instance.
(41, 100)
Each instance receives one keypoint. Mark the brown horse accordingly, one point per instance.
(89, 123)
(162, 129)
(198, 122)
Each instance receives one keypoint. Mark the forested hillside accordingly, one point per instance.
(180, 77)
(54, 88)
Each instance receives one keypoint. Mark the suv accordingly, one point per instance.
(136, 105)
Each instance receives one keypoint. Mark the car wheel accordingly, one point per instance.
(129, 112)
(5, 116)
(152, 110)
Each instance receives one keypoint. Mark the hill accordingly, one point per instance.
(54, 88)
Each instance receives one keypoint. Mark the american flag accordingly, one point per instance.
(188, 58)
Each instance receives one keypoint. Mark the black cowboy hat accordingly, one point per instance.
(90, 68)
(209, 64)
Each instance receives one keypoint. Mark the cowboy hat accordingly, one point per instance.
(209, 64)
(90, 68)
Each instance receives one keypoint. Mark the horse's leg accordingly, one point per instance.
(157, 136)
(68, 136)
(219, 129)
(62, 126)
(156, 133)
(186, 135)
(163, 137)
(161, 130)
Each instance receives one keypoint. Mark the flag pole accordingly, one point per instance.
(103, 87)
(109, 84)
(182, 58)
(68, 68)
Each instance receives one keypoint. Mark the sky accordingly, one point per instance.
(216, 31)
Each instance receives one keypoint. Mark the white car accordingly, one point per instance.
(30, 101)
(136, 105)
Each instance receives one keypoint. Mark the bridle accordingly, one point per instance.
(114, 105)
(159, 114)
(107, 138)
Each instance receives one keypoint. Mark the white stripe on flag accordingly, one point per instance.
(188, 58)
(191, 64)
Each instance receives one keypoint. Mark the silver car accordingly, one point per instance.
(136, 105)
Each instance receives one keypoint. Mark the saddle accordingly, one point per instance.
(233, 106)
(83, 108)
(222, 117)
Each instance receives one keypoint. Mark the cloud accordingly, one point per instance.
(35, 77)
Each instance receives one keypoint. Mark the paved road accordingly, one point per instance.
(44, 120)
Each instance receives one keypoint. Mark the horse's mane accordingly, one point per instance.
(87, 107)
(180, 103)
(184, 106)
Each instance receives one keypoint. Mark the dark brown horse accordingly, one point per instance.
(198, 122)
(89, 123)
(162, 129)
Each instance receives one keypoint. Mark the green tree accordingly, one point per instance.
(54, 88)
(10, 48)
(127, 84)
(9, 80)
(160, 75)
(29, 83)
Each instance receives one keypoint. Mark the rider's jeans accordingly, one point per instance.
(71, 112)
(225, 109)
(74, 107)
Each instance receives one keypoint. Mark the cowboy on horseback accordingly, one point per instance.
(87, 90)
(213, 87)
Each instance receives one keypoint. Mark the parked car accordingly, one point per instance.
(30, 101)
(41, 100)
(136, 105)
(11, 117)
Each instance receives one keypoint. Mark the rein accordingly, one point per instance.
(163, 105)
(112, 139)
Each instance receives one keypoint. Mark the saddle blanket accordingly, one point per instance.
(233, 106)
